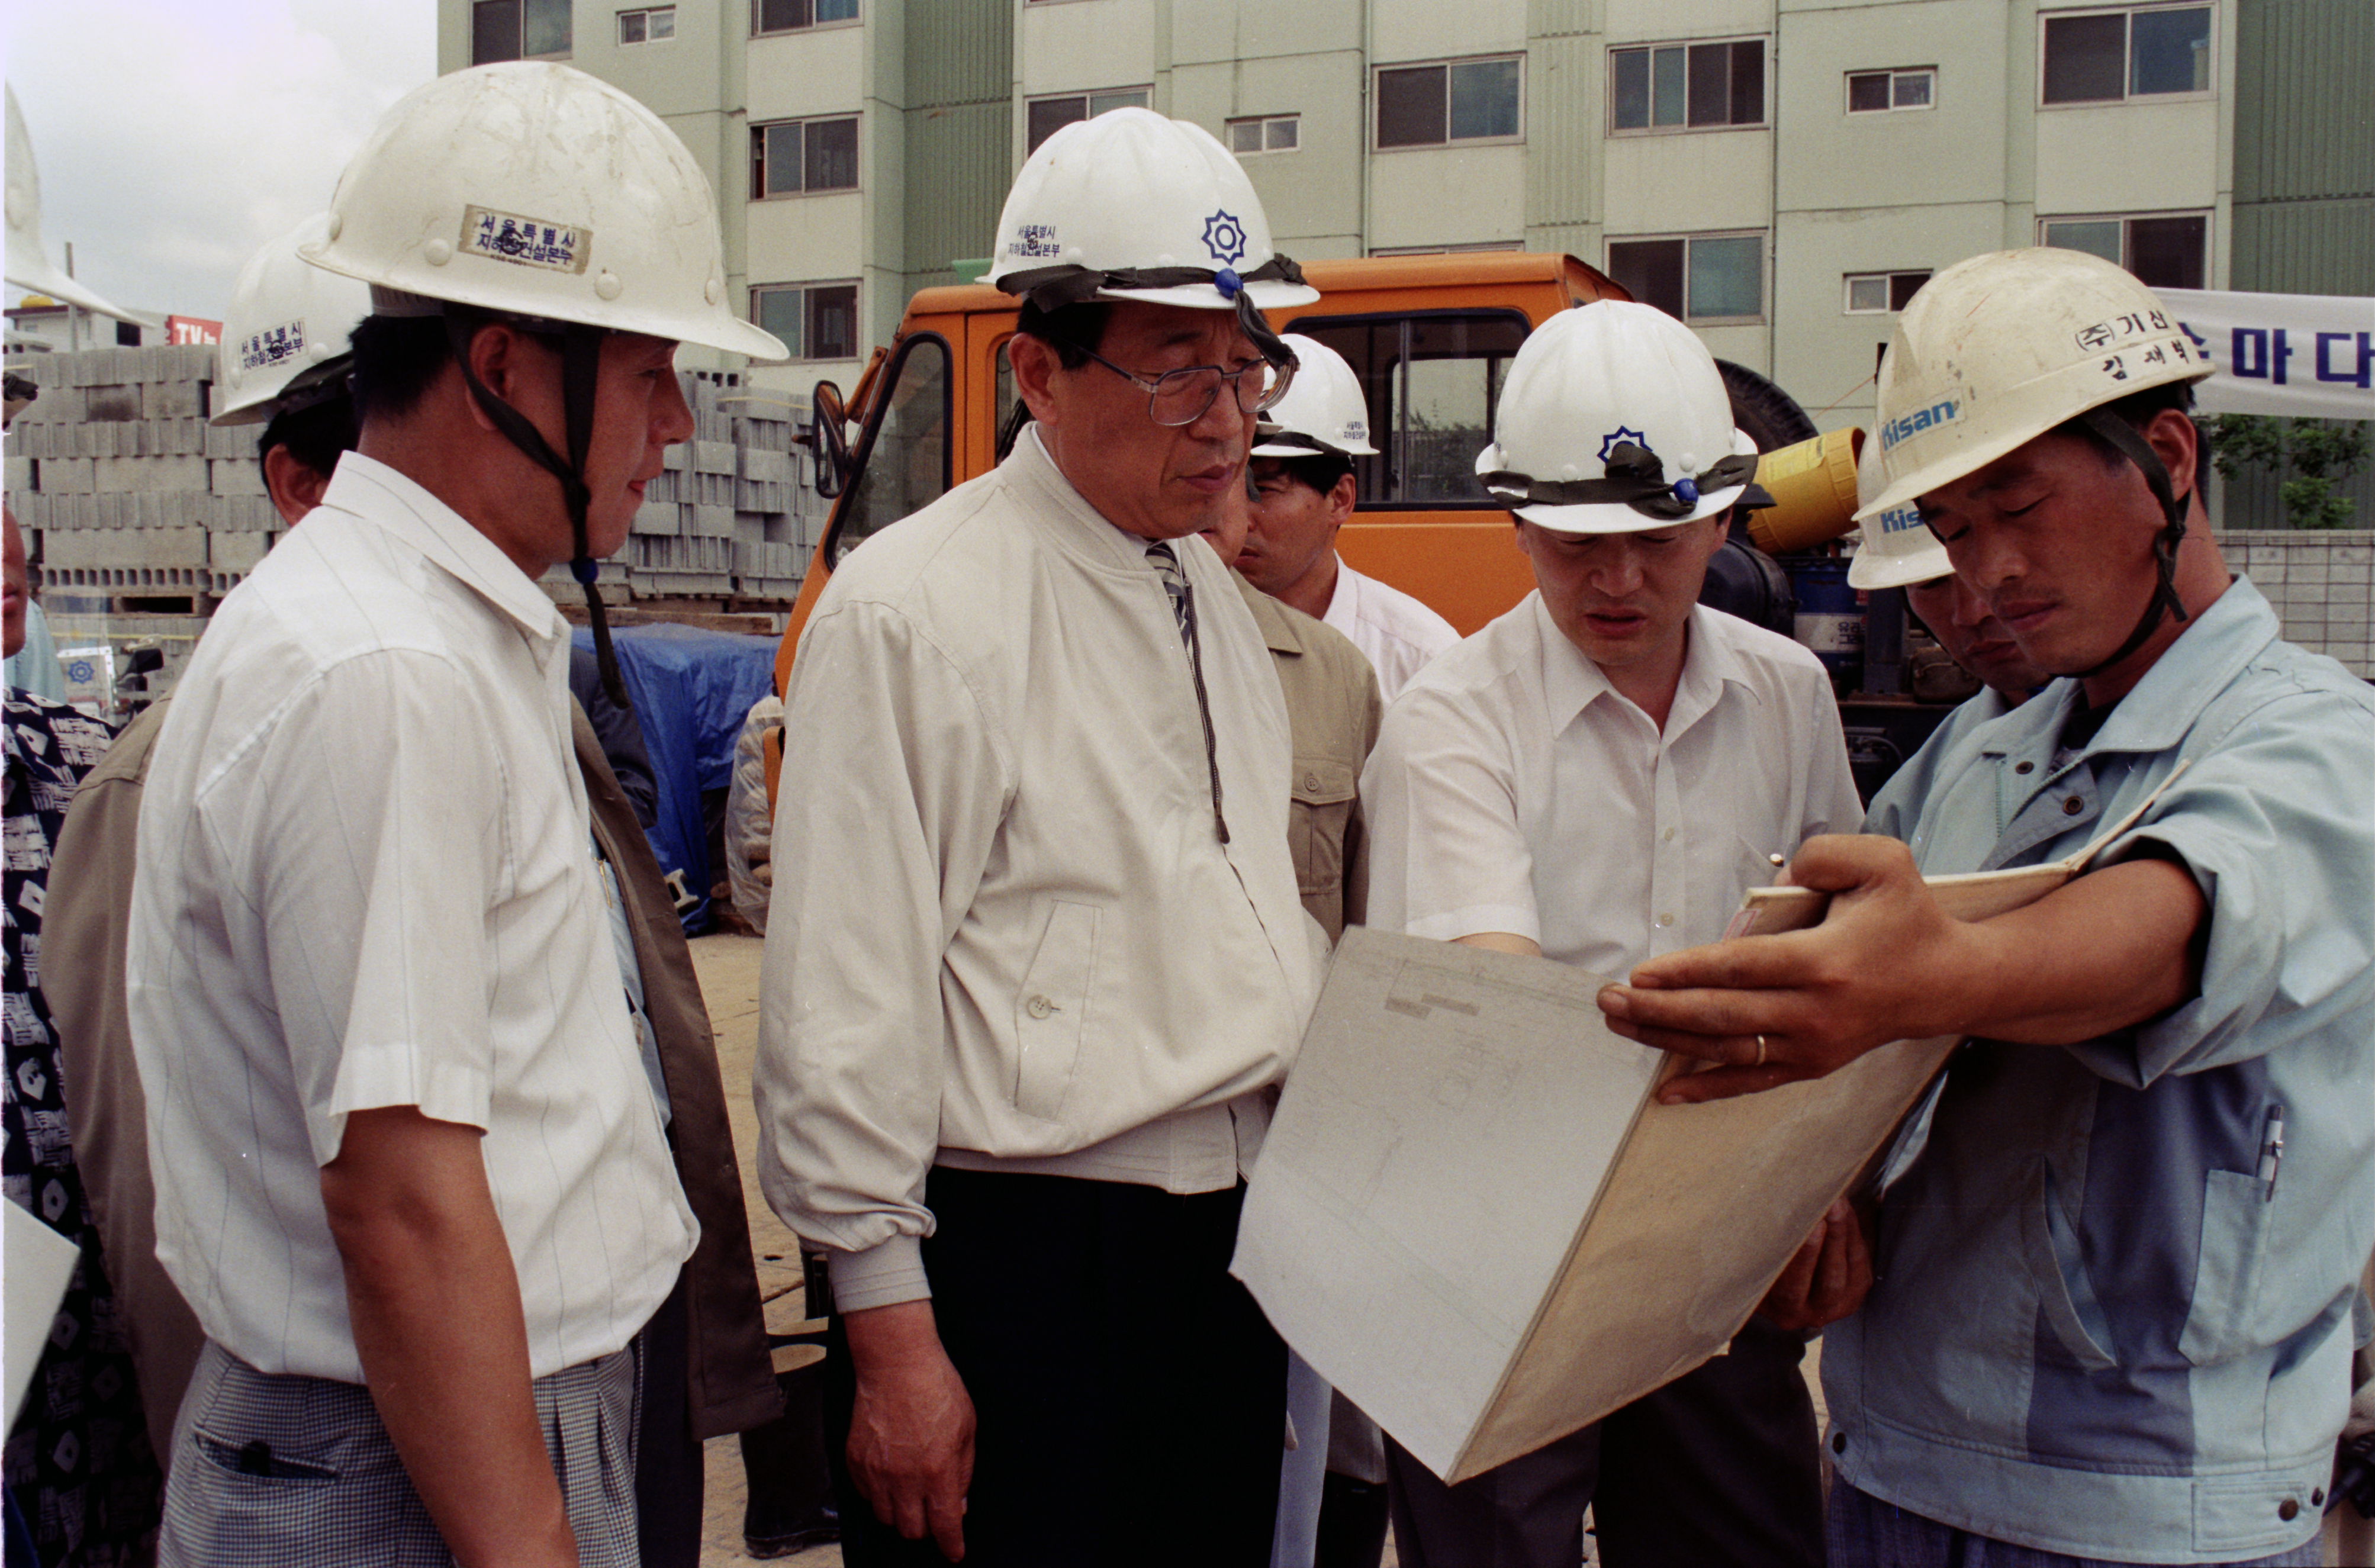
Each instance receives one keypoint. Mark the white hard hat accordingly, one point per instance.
(533, 189)
(1997, 350)
(285, 335)
(1322, 411)
(1130, 205)
(1898, 549)
(30, 267)
(1614, 420)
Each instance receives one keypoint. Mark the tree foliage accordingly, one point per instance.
(2310, 458)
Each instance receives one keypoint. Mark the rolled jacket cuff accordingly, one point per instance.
(880, 1276)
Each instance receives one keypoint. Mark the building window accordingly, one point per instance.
(816, 321)
(1695, 277)
(1048, 115)
(1681, 86)
(654, 24)
(518, 29)
(1876, 293)
(1458, 100)
(1274, 133)
(1877, 92)
(790, 158)
(2164, 250)
(791, 16)
(2110, 56)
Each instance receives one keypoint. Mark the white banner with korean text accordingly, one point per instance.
(2309, 356)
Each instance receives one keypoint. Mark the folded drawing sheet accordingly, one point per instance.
(1472, 1216)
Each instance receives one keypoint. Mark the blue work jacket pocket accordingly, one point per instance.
(1053, 1008)
(2065, 1291)
(2218, 1320)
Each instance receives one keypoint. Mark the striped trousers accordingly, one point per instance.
(269, 1471)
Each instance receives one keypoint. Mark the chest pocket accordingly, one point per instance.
(1317, 817)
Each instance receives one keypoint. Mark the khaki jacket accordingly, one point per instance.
(1332, 711)
(731, 1382)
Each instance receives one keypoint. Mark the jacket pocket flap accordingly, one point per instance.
(1324, 781)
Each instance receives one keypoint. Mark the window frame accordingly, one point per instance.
(804, 288)
(1377, 103)
(1087, 96)
(566, 53)
(1392, 455)
(1847, 90)
(758, 158)
(2127, 244)
(829, 549)
(2128, 56)
(1763, 237)
(1887, 280)
(812, 25)
(646, 12)
(1764, 97)
(1229, 129)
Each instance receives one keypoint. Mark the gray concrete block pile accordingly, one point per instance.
(126, 492)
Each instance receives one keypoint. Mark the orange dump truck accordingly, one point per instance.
(1430, 338)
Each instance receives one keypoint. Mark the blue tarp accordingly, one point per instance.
(691, 689)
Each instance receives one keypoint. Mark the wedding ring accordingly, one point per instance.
(1760, 1050)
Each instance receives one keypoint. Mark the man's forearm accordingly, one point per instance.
(2107, 951)
(435, 1305)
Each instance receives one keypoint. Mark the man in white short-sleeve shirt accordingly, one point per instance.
(1304, 489)
(413, 1180)
(1596, 777)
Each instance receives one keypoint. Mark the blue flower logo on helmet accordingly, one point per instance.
(1622, 433)
(1226, 237)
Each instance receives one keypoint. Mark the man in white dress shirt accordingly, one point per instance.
(1596, 777)
(1305, 491)
(420, 1199)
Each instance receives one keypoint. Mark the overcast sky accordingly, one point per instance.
(176, 136)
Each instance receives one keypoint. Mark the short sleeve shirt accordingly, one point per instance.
(366, 879)
(1514, 789)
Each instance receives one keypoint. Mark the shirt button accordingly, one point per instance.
(1670, 835)
(1040, 1007)
(1665, 920)
(2024, 767)
(1839, 1443)
(2288, 1510)
(1311, 781)
(2072, 807)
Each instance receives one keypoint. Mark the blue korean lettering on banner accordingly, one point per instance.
(2296, 355)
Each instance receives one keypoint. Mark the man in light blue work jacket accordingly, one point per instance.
(2108, 1308)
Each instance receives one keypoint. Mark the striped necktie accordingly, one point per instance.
(1175, 583)
(1183, 609)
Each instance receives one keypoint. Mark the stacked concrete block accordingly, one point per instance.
(2321, 583)
(127, 492)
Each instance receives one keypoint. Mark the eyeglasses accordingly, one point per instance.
(1180, 397)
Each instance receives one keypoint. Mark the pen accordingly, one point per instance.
(2273, 1154)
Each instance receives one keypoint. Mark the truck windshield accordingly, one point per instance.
(1432, 379)
(903, 457)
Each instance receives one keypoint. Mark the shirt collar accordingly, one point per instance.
(2155, 713)
(1076, 525)
(1572, 682)
(378, 494)
(1277, 626)
(1341, 606)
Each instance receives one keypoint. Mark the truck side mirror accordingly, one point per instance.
(828, 439)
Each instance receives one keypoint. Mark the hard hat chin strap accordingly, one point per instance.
(1633, 477)
(580, 366)
(1052, 287)
(2164, 600)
